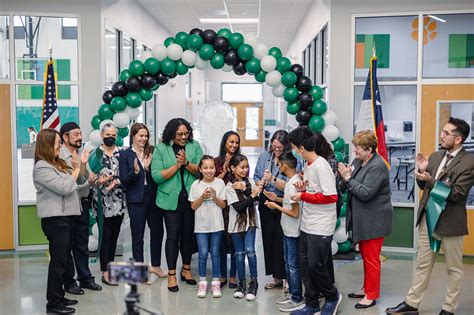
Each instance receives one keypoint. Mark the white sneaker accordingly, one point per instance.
(292, 306)
(286, 298)
(216, 289)
(202, 289)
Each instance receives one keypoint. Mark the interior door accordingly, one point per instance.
(249, 123)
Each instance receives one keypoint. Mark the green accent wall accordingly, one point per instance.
(29, 227)
(382, 48)
(461, 50)
(402, 231)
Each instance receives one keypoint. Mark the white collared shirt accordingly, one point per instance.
(443, 161)
(140, 159)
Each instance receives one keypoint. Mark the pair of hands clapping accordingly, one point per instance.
(146, 164)
(181, 158)
(209, 193)
(77, 161)
(241, 186)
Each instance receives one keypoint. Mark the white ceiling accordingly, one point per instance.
(279, 19)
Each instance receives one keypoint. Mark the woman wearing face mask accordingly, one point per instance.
(113, 201)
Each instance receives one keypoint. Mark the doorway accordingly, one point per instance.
(249, 124)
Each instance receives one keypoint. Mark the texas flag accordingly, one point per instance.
(370, 114)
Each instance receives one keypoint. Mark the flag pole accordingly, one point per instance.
(50, 52)
(374, 55)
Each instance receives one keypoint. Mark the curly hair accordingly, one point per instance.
(172, 127)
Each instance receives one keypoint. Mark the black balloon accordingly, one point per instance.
(231, 57)
(239, 68)
(161, 78)
(173, 75)
(303, 117)
(208, 36)
(221, 44)
(133, 84)
(119, 89)
(304, 83)
(297, 69)
(196, 31)
(306, 100)
(148, 81)
(107, 96)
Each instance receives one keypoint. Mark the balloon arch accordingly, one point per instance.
(222, 50)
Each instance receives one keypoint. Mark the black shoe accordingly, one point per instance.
(175, 288)
(362, 306)
(104, 281)
(91, 286)
(68, 302)
(241, 289)
(74, 290)
(356, 296)
(59, 309)
(232, 285)
(252, 290)
(188, 281)
(402, 308)
(223, 283)
(443, 312)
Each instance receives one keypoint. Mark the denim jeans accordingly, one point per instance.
(244, 244)
(227, 247)
(292, 267)
(209, 242)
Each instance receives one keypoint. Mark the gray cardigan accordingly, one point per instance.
(56, 192)
(369, 208)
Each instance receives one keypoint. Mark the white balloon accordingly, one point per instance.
(145, 55)
(227, 68)
(159, 51)
(121, 119)
(251, 39)
(273, 78)
(201, 64)
(268, 63)
(105, 121)
(95, 231)
(174, 52)
(95, 138)
(330, 117)
(334, 247)
(277, 91)
(260, 50)
(189, 58)
(89, 146)
(330, 132)
(132, 112)
(340, 235)
(93, 243)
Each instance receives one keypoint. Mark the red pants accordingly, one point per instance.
(370, 252)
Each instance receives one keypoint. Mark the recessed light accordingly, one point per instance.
(224, 21)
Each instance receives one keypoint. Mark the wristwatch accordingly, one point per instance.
(348, 180)
(187, 163)
(275, 179)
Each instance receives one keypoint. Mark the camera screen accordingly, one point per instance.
(129, 273)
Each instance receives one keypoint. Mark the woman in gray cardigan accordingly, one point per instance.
(369, 210)
(57, 204)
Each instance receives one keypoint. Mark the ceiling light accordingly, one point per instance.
(437, 18)
(224, 21)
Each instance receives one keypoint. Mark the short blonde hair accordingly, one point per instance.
(365, 139)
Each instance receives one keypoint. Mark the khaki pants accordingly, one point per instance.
(452, 247)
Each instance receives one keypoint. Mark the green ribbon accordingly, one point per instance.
(100, 223)
(435, 206)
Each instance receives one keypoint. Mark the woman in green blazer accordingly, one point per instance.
(174, 168)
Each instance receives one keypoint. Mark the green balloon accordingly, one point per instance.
(206, 52)
(217, 61)
(235, 40)
(169, 41)
(118, 104)
(260, 76)
(316, 123)
(316, 92)
(125, 74)
(123, 132)
(253, 66)
(343, 210)
(245, 52)
(168, 66)
(338, 223)
(283, 65)
(290, 94)
(224, 32)
(145, 94)
(152, 66)
(293, 108)
(339, 156)
(155, 87)
(181, 39)
(339, 144)
(119, 141)
(136, 68)
(106, 112)
(345, 247)
(133, 100)
(319, 107)
(275, 52)
(95, 122)
(194, 42)
(181, 68)
(289, 78)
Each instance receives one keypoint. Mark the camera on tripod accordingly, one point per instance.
(128, 272)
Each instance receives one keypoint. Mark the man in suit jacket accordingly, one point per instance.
(455, 167)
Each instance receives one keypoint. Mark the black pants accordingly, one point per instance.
(59, 231)
(314, 253)
(179, 233)
(140, 214)
(80, 250)
(110, 235)
(272, 237)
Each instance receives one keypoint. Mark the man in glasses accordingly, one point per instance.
(454, 166)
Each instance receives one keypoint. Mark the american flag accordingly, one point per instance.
(50, 115)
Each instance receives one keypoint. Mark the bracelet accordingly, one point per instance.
(275, 179)
(348, 180)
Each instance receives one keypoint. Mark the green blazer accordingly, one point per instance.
(168, 189)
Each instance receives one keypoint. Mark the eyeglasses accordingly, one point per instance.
(446, 133)
(182, 134)
(277, 148)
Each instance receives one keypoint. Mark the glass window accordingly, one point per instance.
(4, 48)
(126, 52)
(111, 56)
(150, 114)
(325, 52)
(19, 27)
(237, 92)
(69, 28)
(318, 60)
(312, 61)
(448, 46)
(139, 48)
(307, 61)
(395, 44)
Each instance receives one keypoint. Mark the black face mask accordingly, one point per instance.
(109, 141)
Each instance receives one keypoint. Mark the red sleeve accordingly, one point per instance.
(318, 198)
